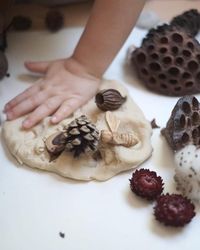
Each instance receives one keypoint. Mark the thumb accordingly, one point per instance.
(37, 67)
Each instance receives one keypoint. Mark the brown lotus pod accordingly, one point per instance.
(21, 23)
(3, 65)
(54, 20)
(109, 99)
(189, 21)
(183, 126)
(168, 61)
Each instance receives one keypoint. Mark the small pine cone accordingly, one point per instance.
(82, 136)
(189, 21)
(174, 210)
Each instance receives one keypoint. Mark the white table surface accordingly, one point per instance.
(35, 206)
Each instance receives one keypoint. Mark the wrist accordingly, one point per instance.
(76, 67)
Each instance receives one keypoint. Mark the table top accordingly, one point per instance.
(40, 210)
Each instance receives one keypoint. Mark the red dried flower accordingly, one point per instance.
(146, 183)
(174, 210)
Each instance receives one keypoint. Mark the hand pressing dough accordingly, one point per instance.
(28, 147)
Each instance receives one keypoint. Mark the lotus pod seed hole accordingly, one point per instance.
(195, 103)
(186, 75)
(173, 71)
(193, 65)
(154, 66)
(177, 38)
(167, 60)
(164, 40)
(163, 50)
(141, 58)
(189, 84)
(182, 121)
(185, 138)
(186, 107)
(190, 45)
(175, 50)
(195, 118)
(186, 53)
(179, 60)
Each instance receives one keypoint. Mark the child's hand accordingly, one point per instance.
(66, 85)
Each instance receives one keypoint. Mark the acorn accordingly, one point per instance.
(109, 99)
(55, 144)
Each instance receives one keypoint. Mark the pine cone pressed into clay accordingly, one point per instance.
(189, 21)
(82, 136)
(183, 127)
(168, 61)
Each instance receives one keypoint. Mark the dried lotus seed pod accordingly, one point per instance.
(183, 126)
(54, 20)
(168, 61)
(189, 21)
(109, 99)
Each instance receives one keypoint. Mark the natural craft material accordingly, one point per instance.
(183, 125)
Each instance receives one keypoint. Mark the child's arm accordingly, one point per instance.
(69, 83)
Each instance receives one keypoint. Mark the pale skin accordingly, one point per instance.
(69, 83)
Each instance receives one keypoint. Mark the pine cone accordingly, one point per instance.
(3, 65)
(82, 136)
(189, 21)
(168, 61)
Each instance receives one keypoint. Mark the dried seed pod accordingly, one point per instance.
(109, 99)
(189, 20)
(3, 65)
(55, 144)
(168, 61)
(54, 20)
(21, 23)
(183, 125)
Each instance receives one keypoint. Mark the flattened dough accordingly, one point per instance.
(28, 147)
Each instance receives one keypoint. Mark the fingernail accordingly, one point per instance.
(26, 123)
(9, 115)
(54, 119)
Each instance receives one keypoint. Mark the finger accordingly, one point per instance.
(26, 94)
(42, 111)
(27, 105)
(37, 67)
(66, 109)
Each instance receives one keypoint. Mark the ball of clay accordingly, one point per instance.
(28, 146)
(3, 65)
